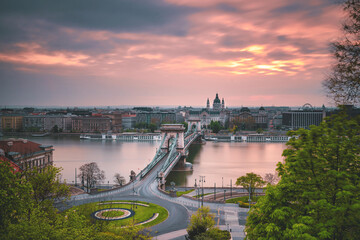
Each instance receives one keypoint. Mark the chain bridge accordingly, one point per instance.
(173, 149)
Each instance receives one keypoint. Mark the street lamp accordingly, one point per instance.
(197, 191)
(249, 197)
(202, 180)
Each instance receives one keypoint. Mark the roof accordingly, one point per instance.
(128, 115)
(217, 100)
(12, 164)
(21, 146)
(244, 109)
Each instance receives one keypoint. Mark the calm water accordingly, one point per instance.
(219, 162)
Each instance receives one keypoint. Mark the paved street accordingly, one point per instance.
(228, 216)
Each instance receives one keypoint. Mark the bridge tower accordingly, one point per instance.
(170, 131)
(194, 122)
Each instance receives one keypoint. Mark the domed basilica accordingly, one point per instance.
(206, 115)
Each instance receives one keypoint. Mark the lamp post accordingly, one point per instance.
(75, 178)
(197, 192)
(202, 180)
(224, 194)
(249, 197)
(214, 191)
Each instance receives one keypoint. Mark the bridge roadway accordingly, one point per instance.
(180, 208)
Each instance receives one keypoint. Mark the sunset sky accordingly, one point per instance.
(170, 52)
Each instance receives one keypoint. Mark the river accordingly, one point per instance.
(219, 162)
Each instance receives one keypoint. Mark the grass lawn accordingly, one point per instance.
(142, 213)
(113, 214)
(244, 199)
(185, 192)
(198, 196)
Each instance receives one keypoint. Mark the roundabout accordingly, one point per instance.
(111, 214)
(123, 213)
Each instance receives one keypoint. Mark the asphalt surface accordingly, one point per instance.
(180, 208)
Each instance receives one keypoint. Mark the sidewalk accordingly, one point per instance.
(180, 234)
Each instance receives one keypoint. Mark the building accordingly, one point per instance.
(12, 122)
(245, 119)
(217, 104)
(47, 123)
(27, 154)
(218, 113)
(156, 117)
(14, 167)
(116, 121)
(91, 124)
(34, 123)
(128, 121)
(303, 118)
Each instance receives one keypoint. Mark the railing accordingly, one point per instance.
(189, 139)
(191, 130)
(172, 154)
(158, 156)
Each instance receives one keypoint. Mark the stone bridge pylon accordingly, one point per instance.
(194, 123)
(171, 132)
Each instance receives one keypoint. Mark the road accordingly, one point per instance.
(228, 216)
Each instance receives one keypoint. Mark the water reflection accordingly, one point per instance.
(214, 160)
(221, 162)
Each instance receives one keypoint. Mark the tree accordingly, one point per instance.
(271, 178)
(46, 186)
(55, 129)
(343, 85)
(201, 221)
(186, 125)
(318, 196)
(250, 181)
(15, 197)
(202, 226)
(119, 180)
(90, 174)
(259, 130)
(215, 126)
(40, 226)
(152, 127)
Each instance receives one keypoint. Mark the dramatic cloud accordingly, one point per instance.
(173, 52)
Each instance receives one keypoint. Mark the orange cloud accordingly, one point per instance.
(32, 54)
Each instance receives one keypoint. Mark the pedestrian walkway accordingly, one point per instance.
(232, 223)
(180, 234)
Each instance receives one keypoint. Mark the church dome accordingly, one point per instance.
(244, 109)
(217, 99)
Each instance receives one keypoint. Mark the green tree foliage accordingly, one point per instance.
(186, 125)
(46, 186)
(202, 226)
(152, 127)
(343, 85)
(42, 225)
(15, 197)
(215, 126)
(55, 129)
(200, 222)
(318, 196)
(250, 181)
(26, 212)
(259, 130)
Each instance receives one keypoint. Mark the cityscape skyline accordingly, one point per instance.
(166, 53)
